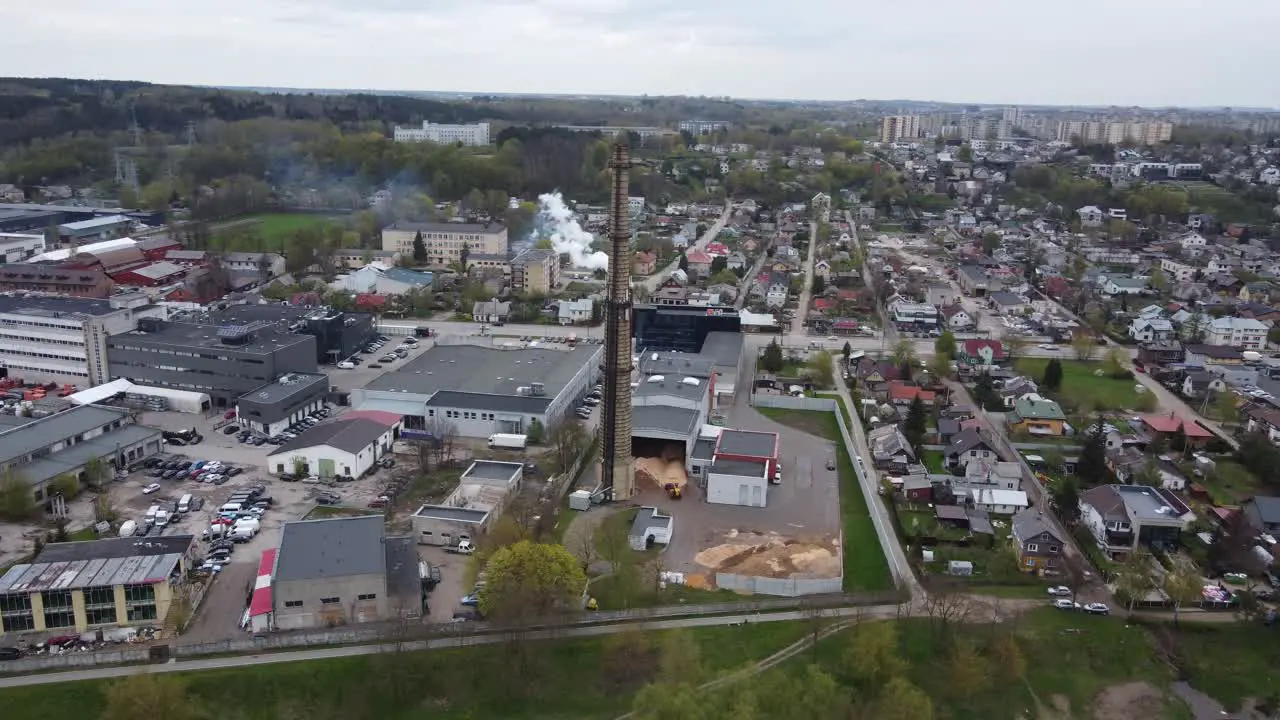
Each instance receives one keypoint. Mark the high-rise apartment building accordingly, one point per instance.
(899, 127)
(1013, 116)
(1114, 133)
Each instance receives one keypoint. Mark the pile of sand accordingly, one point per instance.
(661, 472)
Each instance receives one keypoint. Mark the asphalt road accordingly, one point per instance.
(806, 290)
(651, 283)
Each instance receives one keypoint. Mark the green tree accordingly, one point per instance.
(1052, 379)
(903, 353)
(1091, 468)
(149, 695)
(771, 359)
(1224, 405)
(67, 485)
(901, 700)
(531, 580)
(535, 432)
(419, 248)
(661, 701)
(940, 366)
(1133, 580)
(1183, 586)
(846, 351)
(95, 473)
(807, 695)
(945, 344)
(1065, 496)
(16, 500)
(990, 243)
(822, 369)
(819, 284)
(970, 671)
(872, 657)
(965, 153)
(916, 424)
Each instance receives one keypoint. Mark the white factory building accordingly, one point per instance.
(485, 389)
(441, 134)
(56, 338)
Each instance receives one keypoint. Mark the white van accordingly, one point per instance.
(184, 503)
(128, 528)
(231, 507)
(151, 514)
(247, 523)
(162, 518)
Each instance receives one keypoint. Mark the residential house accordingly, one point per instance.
(1036, 415)
(1161, 353)
(1121, 518)
(1177, 271)
(999, 502)
(1211, 355)
(1127, 461)
(974, 280)
(699, 262)
(981, 352)
(822, 269)
(1263, 418)
(889, 448)
(966, 446)
(777, 291)
(575, 312)
(1121, 285)
(1007, 303)
(1263, 513)
(1257, 292)
(1197, 382)
(1149, 330)
(1090, 216)
(1242, 333)
(738, 261)
(1167, 426)
(1038, 545)
(1193, 244)
(645, 263)
(1264, 314)
(903, 394)
(1015, 388)
(955, 317)
(491, 311)
(875, 376)
(989, 475)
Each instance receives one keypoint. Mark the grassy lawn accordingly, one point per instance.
(935, 461)
(268, 231)
(1230, 484)
(1081, 387)
(535, 680)
(82, 535)
(865, 566)
(921, 522)
(610, 596)
(1230, 662)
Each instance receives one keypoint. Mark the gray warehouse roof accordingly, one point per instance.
(493, 470)
(524, 405)
(746, 442)
(477, 369)
(74, 457)
(471, 228)
(347, 435)
(745, 468)
(54, 306)
(24, 439)
(725, 348)
(456, 514)
(331, 548)
(681, 421)
(286, 387)
(671, 385)
(265, 341)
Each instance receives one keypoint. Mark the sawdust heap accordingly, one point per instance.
(661, 472)
(773, 556)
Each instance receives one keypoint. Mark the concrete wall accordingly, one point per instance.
(727, 490)
(313, 613)
(785, 587)
(446, 532)
(793, 403)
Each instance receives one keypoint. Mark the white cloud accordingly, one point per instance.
(1151, 52)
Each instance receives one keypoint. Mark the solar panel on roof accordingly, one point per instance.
(234, 331)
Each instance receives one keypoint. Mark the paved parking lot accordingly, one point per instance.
(443, 601)
(806, 504)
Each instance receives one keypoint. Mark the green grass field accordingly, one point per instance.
(865, 566)
(1080, 387)
(268, 232)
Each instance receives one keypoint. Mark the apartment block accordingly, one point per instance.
(899, 127)
(446, 241)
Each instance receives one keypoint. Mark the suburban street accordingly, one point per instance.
(652, 282)
(806, 290)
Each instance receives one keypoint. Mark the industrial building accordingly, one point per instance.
(275, 406)
(64, 339)
(339, 334)
(225, 362)
(39, 450)
(485, 389)
(79, 586)
(340, 571)
(350, 446)
(444, 134)
(471, 509)
(734, 466)
(95, 230)
(719, 359)
(28, 277)
(666, 412)
(24, 218)
(127, 394)
(445, 241)
(20, 247)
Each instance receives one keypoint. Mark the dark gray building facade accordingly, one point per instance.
(225, 361)
(272, 408)
(338, 334)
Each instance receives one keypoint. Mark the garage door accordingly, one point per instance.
(326, 468)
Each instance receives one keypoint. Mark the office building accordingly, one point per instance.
(343, 570)
(224, 361)
(535, 272)
(444, 134)
(339, 334)
(894, 128)
(703, 127)
(64, 339)
(40, 450)
(482, 390)
(80, 586)
(446, 241)
(275, 406)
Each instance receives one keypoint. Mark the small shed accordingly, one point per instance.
(960, 568)
(580, 500)
(650, 526)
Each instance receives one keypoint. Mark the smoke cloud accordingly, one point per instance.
(556, 222)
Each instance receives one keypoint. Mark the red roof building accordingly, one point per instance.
(985, 351)
(152, 275)
(370, 301)
(260, 602)
(1057, 287)
(901, 392)
(715, 248)
(1169, 424)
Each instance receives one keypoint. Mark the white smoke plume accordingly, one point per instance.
(558, 224)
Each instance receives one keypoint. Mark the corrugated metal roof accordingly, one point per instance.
(78, 574)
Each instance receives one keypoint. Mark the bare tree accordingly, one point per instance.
(440, 446)
(567, 442)
(945, 605)
(816, 618)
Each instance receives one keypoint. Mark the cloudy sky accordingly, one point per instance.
(1123, 52)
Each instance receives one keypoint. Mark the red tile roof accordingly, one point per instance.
(1170, 424)
(973, 348)
(698, 257)
(899, 390)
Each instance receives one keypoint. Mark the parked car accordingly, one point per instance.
(1065, 604)
(1060, 591)
(1097, 608)
(152, 488)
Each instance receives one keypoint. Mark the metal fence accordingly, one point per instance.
(788, 402)
(785, 587)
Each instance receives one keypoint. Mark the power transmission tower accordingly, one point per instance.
(136, 128)
(191, 133)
